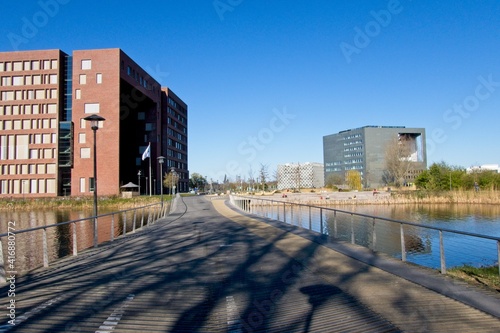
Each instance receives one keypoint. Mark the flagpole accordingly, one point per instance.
(150, 178)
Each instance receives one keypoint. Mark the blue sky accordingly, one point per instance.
(266, 80)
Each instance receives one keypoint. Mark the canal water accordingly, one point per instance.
(422, 244)
(61, 240)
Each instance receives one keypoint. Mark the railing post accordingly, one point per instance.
(291, 213)
(45, 248)
(75, 245)
(112, 237)
(498, 256)
(96, 239)
(149, 215)
(284, 212)
(2, 263)
(374, 236)
(334, 224)
(310, 218)
(352, 230)
(133, 227)
(321, 220)
(403, 246)
(124, 223)
(441, 252)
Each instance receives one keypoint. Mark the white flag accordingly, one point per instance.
(146, 153)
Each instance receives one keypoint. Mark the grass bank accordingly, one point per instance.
(483, 276)
(447, 197)
(78, 202)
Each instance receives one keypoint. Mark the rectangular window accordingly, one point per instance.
(27, 80)
(18, 66)
(35, 65)
(82, 138)
(39, 94)
(84, 152)
(37, 79)
(53, 79)
(98, 78)
(91, 184)
(51, 108)
(18, 80)
(6, 81)
(86, 64)
(27, 66)
(78, 94)
(46, 64)
(91, 108)
(83, 79)
(51, 186)
(53, 64)
(82, 185)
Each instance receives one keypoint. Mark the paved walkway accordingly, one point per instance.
(207, 268)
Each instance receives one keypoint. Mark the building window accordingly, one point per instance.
(98, 78)
(84, 152)
(91, 184)
(82, 185)
(83, 79)
(78, 94)
(53, 79)
(82, 138)
(86, 64)
(91, 108)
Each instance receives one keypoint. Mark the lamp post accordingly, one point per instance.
(161, 160)
(139, 181)
(94, 125)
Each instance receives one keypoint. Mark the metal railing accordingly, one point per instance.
(28, 249)
(400, 239)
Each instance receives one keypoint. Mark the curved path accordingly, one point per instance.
(208, 268)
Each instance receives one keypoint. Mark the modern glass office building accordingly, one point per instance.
(364, 150)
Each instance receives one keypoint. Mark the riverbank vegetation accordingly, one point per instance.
(483, 276)
(79, 202)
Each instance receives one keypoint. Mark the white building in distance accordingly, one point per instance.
(296, 176)
(484, 167)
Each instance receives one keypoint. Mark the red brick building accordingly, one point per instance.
(46, 146)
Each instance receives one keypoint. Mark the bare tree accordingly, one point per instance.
(398, 160)
(263, 175)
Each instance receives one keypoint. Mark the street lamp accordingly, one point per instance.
(161, 160)
(139, 181)
(94, 125)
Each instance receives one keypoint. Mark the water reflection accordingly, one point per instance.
(63, 240)
(422, 244)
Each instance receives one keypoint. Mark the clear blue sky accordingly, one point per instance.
(266, 80)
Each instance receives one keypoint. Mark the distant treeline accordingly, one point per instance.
(442, 177)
